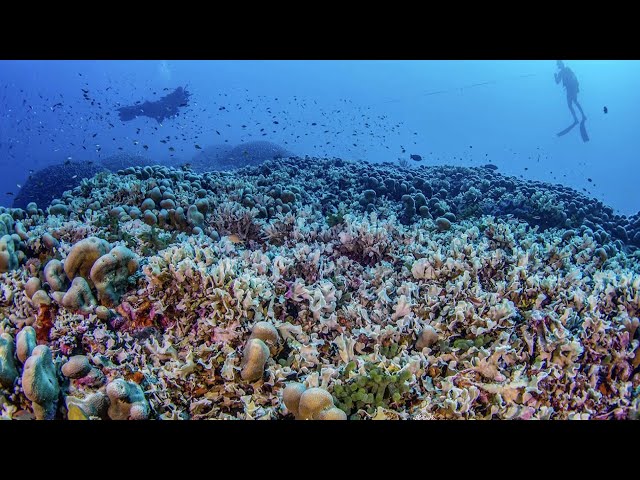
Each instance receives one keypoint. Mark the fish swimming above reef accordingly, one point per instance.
(416, 158)
(165, 107)
(490, 166)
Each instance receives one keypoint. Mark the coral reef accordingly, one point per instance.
(321, 288)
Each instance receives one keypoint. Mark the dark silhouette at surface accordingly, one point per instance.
(570, 83)
(167, 107)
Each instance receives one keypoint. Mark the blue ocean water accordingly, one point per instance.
(465, 113)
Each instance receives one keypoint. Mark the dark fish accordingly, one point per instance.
(198, 147)
(9, 193)
(67, 162)
(217, 132)
(589, 180)
(171, 149)
(606, 110)
(416, 158)
(146, 147)
(490, 166)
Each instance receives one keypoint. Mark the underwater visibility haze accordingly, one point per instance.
(319, 240)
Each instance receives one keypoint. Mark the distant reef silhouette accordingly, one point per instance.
(51, 182)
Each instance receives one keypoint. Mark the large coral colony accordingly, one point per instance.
(313, 288)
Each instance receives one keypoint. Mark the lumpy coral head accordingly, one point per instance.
(333, 413)
(54, 275)
(83, 255)
(127, 401)
(256, 354)
(8, 371)
(79, 297)
(40, 383)
(313, 401)
(291, 397)
(111, 272)
(8, 257)
(25, 343)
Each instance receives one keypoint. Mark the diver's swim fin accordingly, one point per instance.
(583, 132)
(567, 130)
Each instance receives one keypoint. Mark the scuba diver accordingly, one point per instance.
(570, 83)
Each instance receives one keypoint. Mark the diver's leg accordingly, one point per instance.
(570, 105)
(580, 108)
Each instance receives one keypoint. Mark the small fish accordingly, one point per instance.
(146, 147)
(605, 109)
(171, 149)
(416, 158)
(74, 176)
(18, 185)
(67, 162)
(9, 193)
(198, 147)
(233, 238)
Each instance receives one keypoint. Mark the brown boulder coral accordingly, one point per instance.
(256, 354)
(8, 256)
(111, 272)
(54, 275)
(127, 401)
(40, 383)
(79, 297)
(83, 255)
(8, 371)
(311, 403)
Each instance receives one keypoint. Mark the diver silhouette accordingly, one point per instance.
(570, 83)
